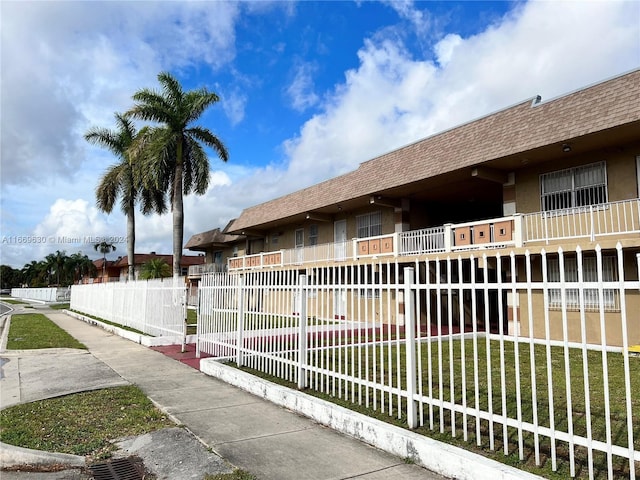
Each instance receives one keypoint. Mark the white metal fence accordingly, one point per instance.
(155, 307)
(430, 343)
(45, 294)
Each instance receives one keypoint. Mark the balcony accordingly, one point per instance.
(591, 222)
(196, 271)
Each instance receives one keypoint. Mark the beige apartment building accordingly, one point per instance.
(526, 180)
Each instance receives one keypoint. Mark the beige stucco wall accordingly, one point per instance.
(286, 237)
(592, 319)
(622, 179)
(322, 305)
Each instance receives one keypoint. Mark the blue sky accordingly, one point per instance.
(308, 91)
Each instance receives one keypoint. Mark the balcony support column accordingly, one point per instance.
(518, 234)
(448, 237)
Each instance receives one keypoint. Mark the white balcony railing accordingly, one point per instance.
(197, 270)
(613, 218)
(616, 218)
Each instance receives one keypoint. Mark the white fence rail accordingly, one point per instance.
(155, 307)
(48, 294)
(473, 348)
(593, 221)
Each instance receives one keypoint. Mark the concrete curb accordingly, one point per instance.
(142, 339)
(4, 335)
(447, 460)
(12, 456)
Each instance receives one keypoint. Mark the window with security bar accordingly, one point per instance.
(574, 187)
(369, 225)
(610, 300)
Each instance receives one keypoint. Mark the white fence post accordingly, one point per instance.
(240, 322)
(302, 333)
(410, 346)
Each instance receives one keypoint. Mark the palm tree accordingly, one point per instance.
(155, 268)
(173, 151)
(55, 264)
(122, 180)
(31, 273)
(104, 247)
(80, 265)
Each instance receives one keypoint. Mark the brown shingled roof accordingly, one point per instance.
(520, 128)
(210, 238)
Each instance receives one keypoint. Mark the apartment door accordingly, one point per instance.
(340, 239)
(299, 245)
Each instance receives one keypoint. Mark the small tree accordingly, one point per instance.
(104, 248)
(155, 268)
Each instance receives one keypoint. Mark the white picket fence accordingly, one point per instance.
(476, 347)
(155, 307)
(44, 294)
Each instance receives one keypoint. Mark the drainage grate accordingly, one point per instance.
(117, 469)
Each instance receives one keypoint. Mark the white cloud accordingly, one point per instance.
(234, 103)
(445, 48)
(84, 63)
(301, 90)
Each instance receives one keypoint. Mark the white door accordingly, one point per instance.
(299, 246)
(340, 239)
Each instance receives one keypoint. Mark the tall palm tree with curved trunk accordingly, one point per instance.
(123, 180)
(173, 151)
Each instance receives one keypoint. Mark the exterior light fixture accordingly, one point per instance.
(566, 148)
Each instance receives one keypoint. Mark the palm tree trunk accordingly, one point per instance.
(178, 211)
(131, 239)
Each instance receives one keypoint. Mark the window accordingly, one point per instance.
(574, 187)
(217, 258)
(313, 234)
(369, 225)
(589, 275)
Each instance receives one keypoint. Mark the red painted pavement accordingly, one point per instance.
(188, 357)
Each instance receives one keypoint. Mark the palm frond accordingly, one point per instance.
(171, 88)
(197, 101)
(109, 188)
(205, 136)
(196, 168)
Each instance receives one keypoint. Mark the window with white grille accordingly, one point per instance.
(369, 225)
(589, 276)
(574, 187)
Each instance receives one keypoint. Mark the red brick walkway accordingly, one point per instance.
(187, 357)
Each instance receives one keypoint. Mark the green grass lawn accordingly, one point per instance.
(81, 424)
(449, 388)
(60, 306)
(34, 330)
(11, 301)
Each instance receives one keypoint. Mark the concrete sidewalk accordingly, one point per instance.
(250, 433)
